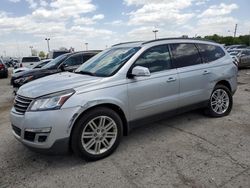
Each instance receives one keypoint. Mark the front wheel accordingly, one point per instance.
(220, 103)
(97, 134)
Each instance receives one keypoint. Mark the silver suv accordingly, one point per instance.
(91, 109)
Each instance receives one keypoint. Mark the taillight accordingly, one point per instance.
(1, 66)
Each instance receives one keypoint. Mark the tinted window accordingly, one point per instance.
(74, 60)
(155, 59)
(55, 62)
(185, 55)
(87, 56)
(210, 52)
(30, 59)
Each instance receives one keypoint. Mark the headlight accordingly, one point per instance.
(51, 102)
(23, 80)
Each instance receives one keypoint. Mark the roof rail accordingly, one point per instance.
(125, 43)
(180, 38)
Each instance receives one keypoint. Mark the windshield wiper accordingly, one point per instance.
(86, 72)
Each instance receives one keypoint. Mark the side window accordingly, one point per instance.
(185, 55)
(74, 60)
(155, 59)
(210, 52)
(87, 57)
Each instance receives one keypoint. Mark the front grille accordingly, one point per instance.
(21, 104)
(16, 130)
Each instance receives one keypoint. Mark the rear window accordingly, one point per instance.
(210, 52)
(185, 54)
(30, 59)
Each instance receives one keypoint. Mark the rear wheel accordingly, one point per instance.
(97, 134)
(220, 103)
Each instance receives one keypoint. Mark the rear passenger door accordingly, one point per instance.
(193, 73)
(158, 92)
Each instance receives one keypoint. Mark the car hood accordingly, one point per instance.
(55, 83)
(28, 73)
(15, 71)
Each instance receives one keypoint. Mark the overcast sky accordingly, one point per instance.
(101, 23)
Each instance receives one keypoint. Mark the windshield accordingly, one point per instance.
(107, 62)
(55, 62)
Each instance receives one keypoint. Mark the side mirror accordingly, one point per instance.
(140, 71)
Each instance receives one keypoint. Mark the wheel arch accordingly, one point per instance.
(112, 106)
(225, 83)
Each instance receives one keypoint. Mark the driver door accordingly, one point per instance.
(157, 93)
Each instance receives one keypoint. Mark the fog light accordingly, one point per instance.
(42, 138)
(39, 130)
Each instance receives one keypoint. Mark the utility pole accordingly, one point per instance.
(155, 32)
(86, 44)
(31, 47)
(48, 39)
(249, 38)
(235, 30)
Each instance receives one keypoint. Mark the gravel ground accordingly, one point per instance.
(189, 150)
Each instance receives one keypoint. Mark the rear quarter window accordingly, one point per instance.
(210, 52)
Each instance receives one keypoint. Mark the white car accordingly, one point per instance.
(29, 62)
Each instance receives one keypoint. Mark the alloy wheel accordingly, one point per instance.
(99, 135)
(219, 101)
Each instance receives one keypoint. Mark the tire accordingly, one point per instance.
(222, 104)
(6, 75)
(90, 141)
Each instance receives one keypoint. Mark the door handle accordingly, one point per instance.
(206, 72)
(171, 79)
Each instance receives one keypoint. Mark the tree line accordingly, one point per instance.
(229, 40)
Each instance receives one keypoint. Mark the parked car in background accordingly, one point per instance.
(37, 66)
(29, 62)
(244, 58)
(55, 53)
(241, 56)
(66, 62)
(89, 110)
(3, 69)
(238, 46)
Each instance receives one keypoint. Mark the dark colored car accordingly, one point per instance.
(66, 62)
(3, 70)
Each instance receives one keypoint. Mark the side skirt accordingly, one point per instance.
(158, 117)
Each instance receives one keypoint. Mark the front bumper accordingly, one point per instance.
(44, 131)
